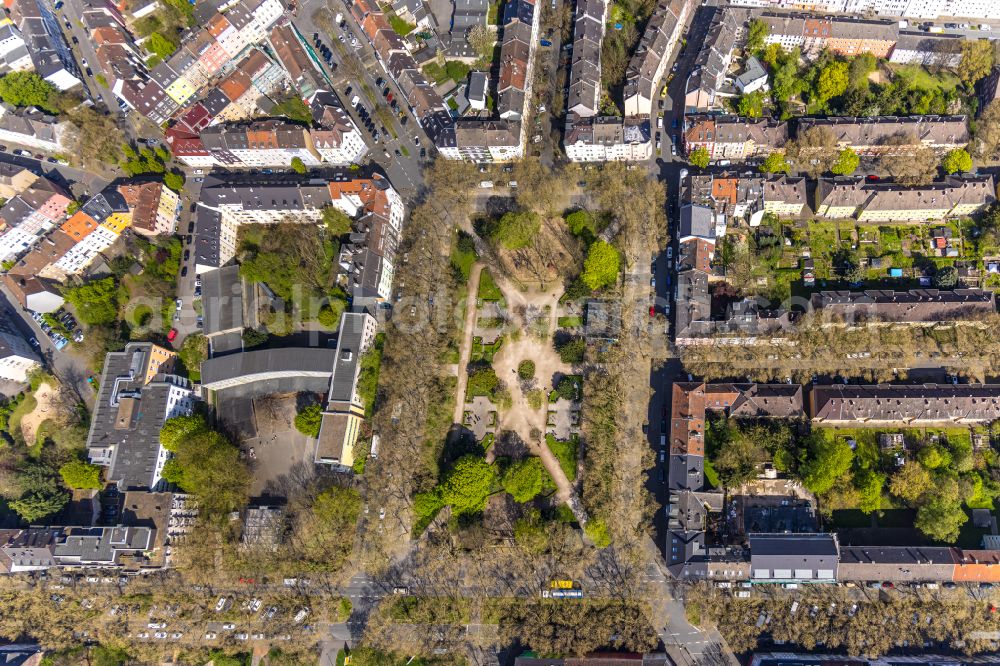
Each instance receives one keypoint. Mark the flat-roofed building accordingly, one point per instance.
(345, 411)
(137, 395)
(794, 558)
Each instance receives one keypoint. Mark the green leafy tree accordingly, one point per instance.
(467, 485)
(516, 230)
(847, 162)
(600, 268)
(860, 67)
(523, 479)
(529, 533)
(756, 35)
(832, 81)
(41, 493)
(483, 380)
(308, 420)
(775, 163)
(211, 468)
(869, 485)
(174, 180)
(526, 369)
(946, 277)
(25, 89)
(940, 517)
(571, 349)
(911, 482)
(956, 161)
(581, 223)
(737, 460)
(329, 314)
(96, 302)
(78, 474)
(72, 208)
(752, 105)
(160, 45)
(179, 428)
(977, 61)
(567, 388)
(337, 223)
(597, 531)
(827, 461)
(933, 456)
(298, 166)
(699, 157)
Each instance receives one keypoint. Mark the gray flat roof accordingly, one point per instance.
(347, 357)
(222, 300)
(266, 363)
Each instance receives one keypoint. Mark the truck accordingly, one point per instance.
(338, 19)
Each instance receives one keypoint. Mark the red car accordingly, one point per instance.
(652, 311)
(171, 335)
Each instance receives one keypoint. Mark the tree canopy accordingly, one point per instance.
(828, 460)
(209, 466)
(946, 277)
(160, 45)
(600, 268)
(96, 302)
(41, 493)
(699, 157)
(298, 166)
(832, 81)
(179, 428)
(847, 162)
(752, 105)
(78, 474)
(756, 35)
(977, 60)
(775, 163)
(516, 230)
(26, 89)
(336, 221)
(308, 420)
(467, 485)
(523, 479)
(174, 180)
(956, 161)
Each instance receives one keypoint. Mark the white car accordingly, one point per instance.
(157, 625)
(242, 636)
(180, 304)
(210, 636)
(228, 626)
(258, 637)
(220, 605)
(143, 634)
(177, 634)
(160, 634)
(255, 604)
(271, 612)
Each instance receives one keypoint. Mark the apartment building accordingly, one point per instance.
(785, 196)
(648, 62)
(41, 548)
(154, 207)
(608, 139)
(14, 54)
(33, 128)
(881, 135)
(925, 48)
(711, 202)
(481, 140)
(228, 203)
(585, 64)
(953, 197)
(918, 307)
(733, 137)
(345, 412)
(706, 86)
(138, 393)
(205, 54)
(922, 405)
(911, 9)
(51, 57)
(29, 214)
(520, 31)
(17, 358)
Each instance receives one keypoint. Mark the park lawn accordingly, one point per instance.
(565, 453)
(462, 261)
(916, 76)
(453, 69)
(481, 352)
(569, 322)
(488, 289)
(27, 406)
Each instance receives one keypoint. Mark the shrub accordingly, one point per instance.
(526, 369)
(308, 420)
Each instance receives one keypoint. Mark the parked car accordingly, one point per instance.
(172, 335)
